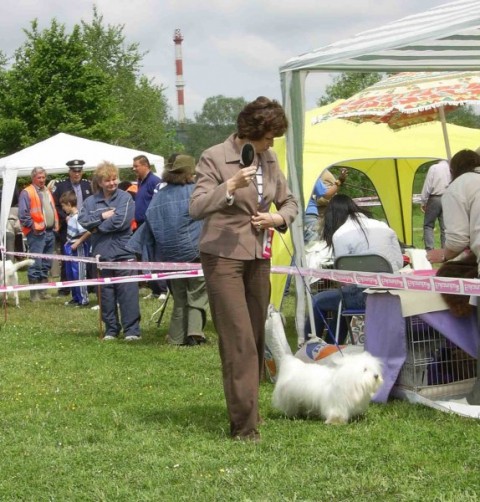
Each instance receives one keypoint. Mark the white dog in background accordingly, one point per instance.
(335, 391)
(11, 274)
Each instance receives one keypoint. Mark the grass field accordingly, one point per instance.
(86, 420)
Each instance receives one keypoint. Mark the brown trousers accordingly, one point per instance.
(239, 294)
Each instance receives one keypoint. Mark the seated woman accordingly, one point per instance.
(350, 229)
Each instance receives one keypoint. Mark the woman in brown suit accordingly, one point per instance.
(241, 206)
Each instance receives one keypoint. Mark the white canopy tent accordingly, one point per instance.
(441, 39)
(52, 154)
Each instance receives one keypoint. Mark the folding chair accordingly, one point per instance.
(357, 263)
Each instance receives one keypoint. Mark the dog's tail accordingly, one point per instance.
(23, 264)
(275, 338)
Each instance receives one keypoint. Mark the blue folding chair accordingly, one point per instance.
(357, 263)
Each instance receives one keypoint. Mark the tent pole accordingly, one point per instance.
(441, 114)
(399, 191)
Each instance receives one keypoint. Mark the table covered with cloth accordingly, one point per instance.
(385, 329)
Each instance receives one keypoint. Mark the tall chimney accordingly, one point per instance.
(178, 39)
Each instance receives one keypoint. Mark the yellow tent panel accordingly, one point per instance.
(389, 158)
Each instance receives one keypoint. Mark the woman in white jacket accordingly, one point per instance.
(349, 229)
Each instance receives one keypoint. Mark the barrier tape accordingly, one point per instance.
(409, 282)
(102, 281)
(84, 259)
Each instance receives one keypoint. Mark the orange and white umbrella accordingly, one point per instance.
(409, 98)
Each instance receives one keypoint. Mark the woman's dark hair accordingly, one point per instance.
(339, 209)
(260, 117)
(182, 178)
(464, 161)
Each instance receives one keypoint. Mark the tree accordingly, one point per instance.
(140, 104)
(86, 83)
(464, 116)
(346, 85)
(216, 121)
(52, 87)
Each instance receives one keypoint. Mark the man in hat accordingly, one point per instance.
(82, 190)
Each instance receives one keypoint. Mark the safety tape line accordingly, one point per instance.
(407, 281)
(102, 281)
(410, 282)
(115, 265)
(39, 256)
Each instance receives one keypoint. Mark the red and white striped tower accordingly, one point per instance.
(179, 84)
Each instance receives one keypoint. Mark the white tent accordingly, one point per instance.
(53, 153)
(441, 39)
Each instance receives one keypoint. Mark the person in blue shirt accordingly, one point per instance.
(146, 183)
(322, 192)
(77, 244)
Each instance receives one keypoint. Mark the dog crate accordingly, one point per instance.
(322, 285)
(435, 367)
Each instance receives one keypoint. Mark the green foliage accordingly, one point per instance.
(87, 83)
(346, 85)
(218, 111)
(89, 420)
(216, 121)
(464, 116)
(51, 88)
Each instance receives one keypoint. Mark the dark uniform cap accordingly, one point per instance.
(76, 165)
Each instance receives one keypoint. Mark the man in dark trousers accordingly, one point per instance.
(82, 189)
(147, 182)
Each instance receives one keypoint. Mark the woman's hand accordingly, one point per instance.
(436, 255)
(108, 214)
(242, 179)
(267, 220)
(343, 175)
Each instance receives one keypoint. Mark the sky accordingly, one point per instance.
(232, 48)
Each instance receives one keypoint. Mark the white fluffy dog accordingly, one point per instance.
(11, 274)
(335, 391)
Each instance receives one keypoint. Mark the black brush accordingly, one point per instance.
(247, 155)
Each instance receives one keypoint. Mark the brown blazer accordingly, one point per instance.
(227, 230)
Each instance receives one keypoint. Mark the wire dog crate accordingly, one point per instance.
(435, 367)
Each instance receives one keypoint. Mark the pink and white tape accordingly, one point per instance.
(411, 282)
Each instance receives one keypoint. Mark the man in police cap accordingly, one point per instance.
(82, 189)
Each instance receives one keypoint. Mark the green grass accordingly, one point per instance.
(82, 419)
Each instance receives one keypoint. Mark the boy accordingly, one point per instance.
(76, 245)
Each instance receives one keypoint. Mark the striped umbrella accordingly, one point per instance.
(409, 98)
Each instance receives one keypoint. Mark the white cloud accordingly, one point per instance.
(231, 47)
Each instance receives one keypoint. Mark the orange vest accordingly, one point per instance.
(36, 211)
(133, 189)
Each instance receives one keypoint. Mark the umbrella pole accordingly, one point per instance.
(441, 113)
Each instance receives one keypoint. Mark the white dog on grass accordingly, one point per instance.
(335, 391)
(10, 278)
